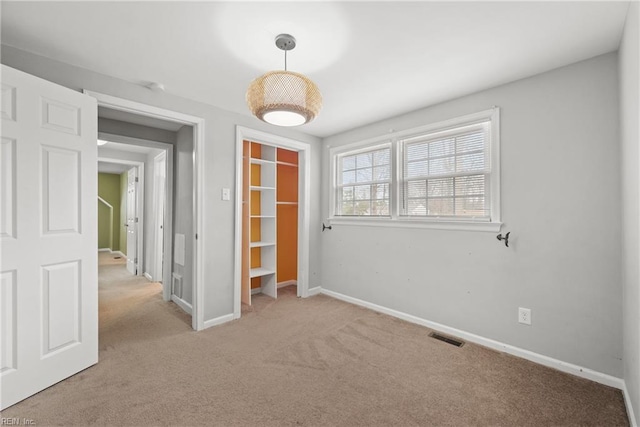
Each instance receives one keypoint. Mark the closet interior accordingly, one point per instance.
(269, 219)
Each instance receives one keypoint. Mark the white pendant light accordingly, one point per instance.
(284, 98)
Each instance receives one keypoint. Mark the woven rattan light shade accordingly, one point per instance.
(284, 98)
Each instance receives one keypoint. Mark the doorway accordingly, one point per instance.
(192, 162)
(303, 151)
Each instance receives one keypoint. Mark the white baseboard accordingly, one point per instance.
(256, 291)
(117, 253)
(148, 276)
(182, 304)
(314, 291)
(629, 405)
(287, 283)
(218, 320)
(540, 359)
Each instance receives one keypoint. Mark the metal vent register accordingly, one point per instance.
(448, 340)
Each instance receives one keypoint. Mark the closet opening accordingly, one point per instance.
(272, 217)
(269, 220)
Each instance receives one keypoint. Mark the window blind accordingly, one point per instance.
(447, 174)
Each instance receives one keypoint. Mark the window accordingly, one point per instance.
(363, 183)
(444, 175)
(447, 174)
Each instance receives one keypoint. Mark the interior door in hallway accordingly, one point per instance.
(48, 235)
(132, 221)
(159, 188)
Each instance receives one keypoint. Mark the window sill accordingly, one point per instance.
(491, 227)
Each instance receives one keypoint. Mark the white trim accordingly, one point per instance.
(182, 304)
(218, 321)
(415, 223)
(148, 276)
(198, 123)
(304, 200)
(286, 283)
(540, 359)
(256, 290)
(629, 405)
(104, 250)
(119, 253)
(315, 291)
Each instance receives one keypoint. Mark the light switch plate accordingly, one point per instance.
(226, 194)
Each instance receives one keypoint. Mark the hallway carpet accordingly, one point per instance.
(301, 362)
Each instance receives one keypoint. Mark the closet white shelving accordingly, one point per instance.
(259, 207)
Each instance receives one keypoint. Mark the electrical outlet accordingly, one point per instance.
(226, 194)
(524, 315)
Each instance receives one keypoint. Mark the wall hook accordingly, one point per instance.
(325, 227)
(505, 238)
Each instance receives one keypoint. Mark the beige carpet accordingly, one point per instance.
(316, 361)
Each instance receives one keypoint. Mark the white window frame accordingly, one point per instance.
(361, 150)
(395, 220)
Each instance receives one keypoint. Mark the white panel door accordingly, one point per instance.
(132, 221)
(48, 236)
(159, 171)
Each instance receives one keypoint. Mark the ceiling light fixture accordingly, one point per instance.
(102, 142)
(284, 98)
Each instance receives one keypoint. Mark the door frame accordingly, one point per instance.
(168, 230)
(139, 204)
(304, 205)
(198, 123)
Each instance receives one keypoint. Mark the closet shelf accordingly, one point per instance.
(257, 161)
(263, 216)
(261, 244)
(260, 188)
(279, 162)
(258, 272)
(286, 203)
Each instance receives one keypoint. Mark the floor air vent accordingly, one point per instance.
(446, 339)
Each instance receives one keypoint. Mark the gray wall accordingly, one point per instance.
(218, 157)
(117, 127)
(630, 137)
(183, 207)
(561, 202)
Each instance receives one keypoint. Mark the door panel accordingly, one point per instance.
(48, 237)
(60, 185)
(7, 187)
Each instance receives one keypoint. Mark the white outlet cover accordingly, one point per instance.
(524, 316)
(226, 194)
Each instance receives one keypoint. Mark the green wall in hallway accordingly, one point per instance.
(109, 191)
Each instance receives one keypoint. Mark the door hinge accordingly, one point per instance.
(136, 219)
(137, 179)
(196, 236)
(135, 260)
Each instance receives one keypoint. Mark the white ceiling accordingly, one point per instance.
(129, 148)
(105, 167)
(118, 168)
(371, 60)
